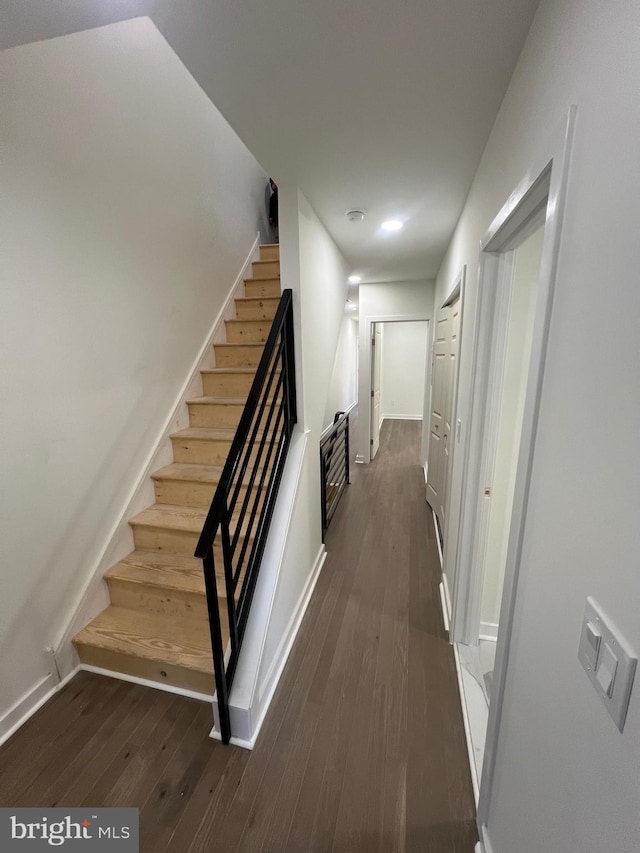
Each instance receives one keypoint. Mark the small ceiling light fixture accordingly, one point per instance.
(355, 279)
(392, 225)
(355, 215)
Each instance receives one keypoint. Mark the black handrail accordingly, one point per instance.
(334, 467)
(255, 464)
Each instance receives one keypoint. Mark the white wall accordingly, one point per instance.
(566, 779)
(312, 266)
(343, 390)
(129, 207)
(320, 286)
(403, 369)
(522, 310)
(399, 300)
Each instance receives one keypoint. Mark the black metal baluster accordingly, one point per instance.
(278, 353)
(217, 649)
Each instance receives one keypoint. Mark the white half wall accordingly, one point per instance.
(316, 272)
(565, 777)
(129, 208)
(343, 389)
(404, 361)
(396, 300)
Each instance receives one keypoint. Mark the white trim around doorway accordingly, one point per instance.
(364, 369)
(542, 187)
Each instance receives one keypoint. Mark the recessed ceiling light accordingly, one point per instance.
(355, 279)
(392, 225)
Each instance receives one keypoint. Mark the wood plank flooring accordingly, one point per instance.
(363, 748)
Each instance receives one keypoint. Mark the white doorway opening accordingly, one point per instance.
(511, 331)
(398, 373)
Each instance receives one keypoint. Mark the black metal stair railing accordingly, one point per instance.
(334, 467)
(244, 500)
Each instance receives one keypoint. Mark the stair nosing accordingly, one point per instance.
(162, 474)
(232, 370)
(217, 401)
(163, 655)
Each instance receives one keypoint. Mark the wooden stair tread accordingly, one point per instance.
(184, 574)
(256, 322)
(210, 433)
(167, 567)
(183, 471)
(206, 433)
(241, 343)
(222, 401)
(183, 643)
(257, 298)
(235, 371)
(189, 519)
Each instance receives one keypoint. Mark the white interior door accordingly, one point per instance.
(451, 349)
(437, 415)
(376, 357)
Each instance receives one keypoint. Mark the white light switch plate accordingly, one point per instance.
(623, 669)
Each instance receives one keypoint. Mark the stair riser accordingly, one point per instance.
(226, 384)
(215, 414)
(265, 269)
(266, 288)
(172, 541)
(243, 356)
(203, 451)
(200, 451)
(269, 253)
(138, 596)
(165, 539)
(264, 309)
(248, 331)
(163, 673)
(184, 492)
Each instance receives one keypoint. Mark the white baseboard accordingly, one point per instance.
(447, 596)
(31, 702)
(489, 631)
(485, 845)
(274, 672)
(435, 527)
(242, 716)
(146, 682)
(443, 605)
(467, 729)
(391, 417)
(93, 597)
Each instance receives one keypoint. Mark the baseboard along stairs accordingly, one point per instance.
(156, 626)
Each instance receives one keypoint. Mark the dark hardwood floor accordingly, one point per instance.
(363, 748)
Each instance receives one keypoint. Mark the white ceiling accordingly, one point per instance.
(384, 106)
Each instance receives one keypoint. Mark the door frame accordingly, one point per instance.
(544, 184)
(376, 353)
(364, 370)
(458, 291)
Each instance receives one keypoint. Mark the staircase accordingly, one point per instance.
(156, 626)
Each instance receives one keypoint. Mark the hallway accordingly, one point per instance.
(363, 748)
